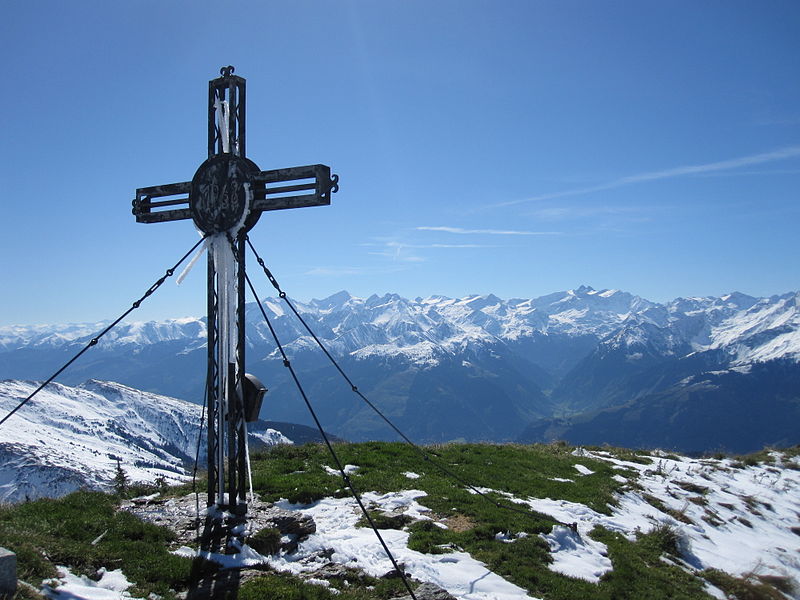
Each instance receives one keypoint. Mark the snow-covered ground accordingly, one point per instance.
(112, 585)
(736, 519)
(456, 572)
(358, 547)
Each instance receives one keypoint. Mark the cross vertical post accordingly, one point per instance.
(225, 199)
(227, 431)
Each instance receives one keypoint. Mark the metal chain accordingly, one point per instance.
(93, 342)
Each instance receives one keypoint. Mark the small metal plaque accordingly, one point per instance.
(218, 196)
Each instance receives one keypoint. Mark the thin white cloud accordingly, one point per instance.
(558, 213)
(397, 256)
(425, 246)
(403, 252)
(714, 167)
(335, 271)
(353, 271)
(395, 244)
(462, 231)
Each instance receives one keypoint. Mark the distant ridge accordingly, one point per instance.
(474, 368)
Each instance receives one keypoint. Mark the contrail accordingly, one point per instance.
(723, 165)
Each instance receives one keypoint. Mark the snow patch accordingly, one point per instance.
(577, 556)
(348, 470)
(112, 585)
(457, 572)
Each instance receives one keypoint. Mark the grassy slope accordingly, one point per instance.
(60, 532)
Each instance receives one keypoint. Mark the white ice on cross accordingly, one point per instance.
(192, 262)
(222, 110)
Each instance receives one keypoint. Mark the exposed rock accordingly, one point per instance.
(319, 556)
(430, 591)
(181, 515)
(335, 571)
(394, 573)
(287, 522)
(184, 516)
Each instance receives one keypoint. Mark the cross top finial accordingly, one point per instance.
(227, 71)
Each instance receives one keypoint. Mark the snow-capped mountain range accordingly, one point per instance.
(749, 329)
(68, 438)
(478, 367)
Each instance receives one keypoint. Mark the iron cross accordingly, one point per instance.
(225, 199)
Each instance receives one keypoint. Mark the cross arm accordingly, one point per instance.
(150, 204)
(269, 194)
(272, 190)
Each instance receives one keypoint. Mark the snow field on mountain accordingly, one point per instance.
(69, 437)
(567, 354)
(751, 329)
(776, 323)
(66, 438)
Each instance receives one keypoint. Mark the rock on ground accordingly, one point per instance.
(181, 516)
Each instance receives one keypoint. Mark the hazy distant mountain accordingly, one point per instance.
(734, 410)
(474, 368)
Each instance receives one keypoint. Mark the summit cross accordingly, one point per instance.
(225, 199)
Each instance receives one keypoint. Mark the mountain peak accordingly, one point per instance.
(478, 302)
(584, 289)
(739, 300)
(336, 300)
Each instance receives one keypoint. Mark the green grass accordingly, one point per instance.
(295, 473)
(45, 533)
(266, 542)
(640, 572)
(642, 457)
(275, 586)
(764, 457)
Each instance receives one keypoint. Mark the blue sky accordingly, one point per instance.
(517, 148)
